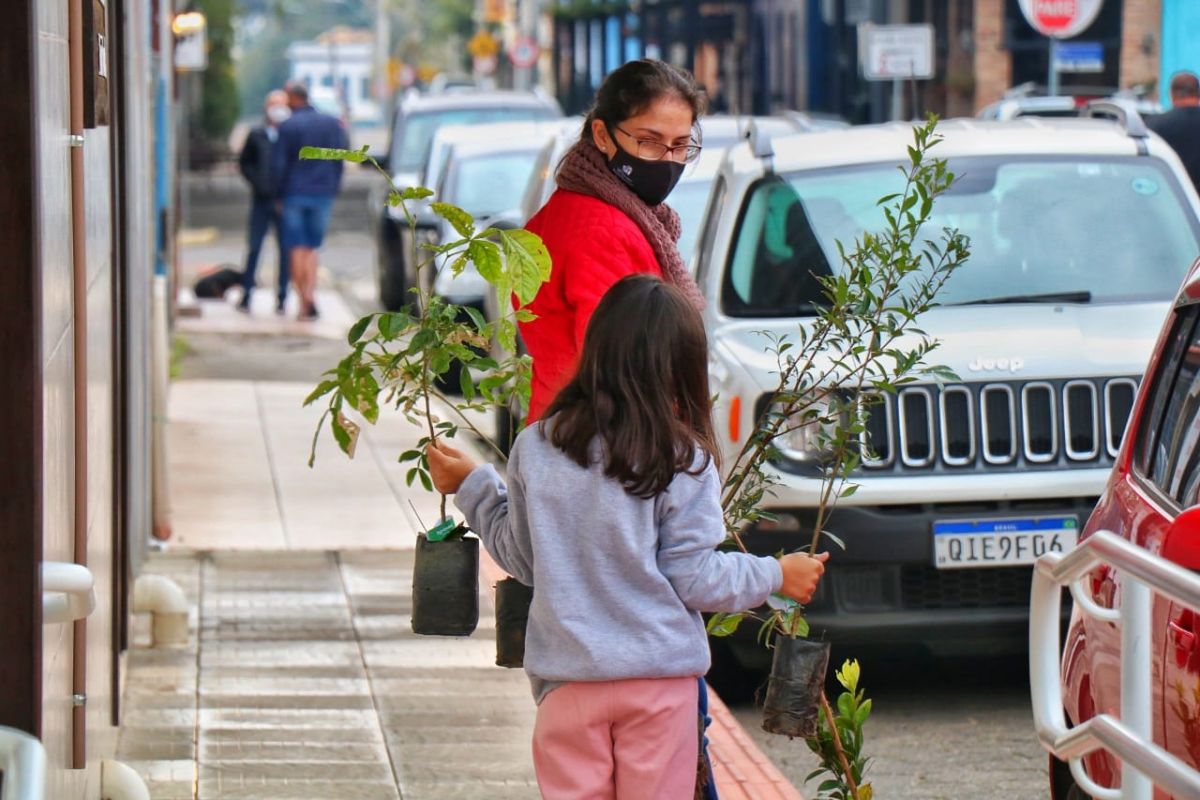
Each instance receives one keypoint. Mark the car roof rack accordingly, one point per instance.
(760, 144)
(1123, 113)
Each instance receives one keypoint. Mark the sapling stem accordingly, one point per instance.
(838, 748)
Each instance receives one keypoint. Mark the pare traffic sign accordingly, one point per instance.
(1060, 19)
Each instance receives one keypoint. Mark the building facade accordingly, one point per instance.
(762, 56)
(338, 68)
(81, 232)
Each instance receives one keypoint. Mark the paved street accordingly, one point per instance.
(941, 730)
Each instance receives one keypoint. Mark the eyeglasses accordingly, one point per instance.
(650, 150)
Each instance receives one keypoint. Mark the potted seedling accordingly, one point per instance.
(859, 345)
(400, 358)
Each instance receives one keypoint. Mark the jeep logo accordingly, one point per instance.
(981, 364)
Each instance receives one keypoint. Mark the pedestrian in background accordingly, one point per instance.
(612, 513)
(608, 218)
(306, 189)
(1180, 126)
(255, 164)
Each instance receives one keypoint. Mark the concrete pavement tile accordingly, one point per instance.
(291, 771)
(213, 789)
(259, 718)
(295, 734)
(221, 316)
(237, 750)
(493, 790)
(430, 652)
(290, 701)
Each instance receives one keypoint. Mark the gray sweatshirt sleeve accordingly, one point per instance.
(484, 500)
(690, 528)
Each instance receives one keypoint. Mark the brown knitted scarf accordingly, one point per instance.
(584, 169)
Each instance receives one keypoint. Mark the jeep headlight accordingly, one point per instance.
(806, 436)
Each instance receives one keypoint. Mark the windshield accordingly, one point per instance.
(1108, 229)
(488, 185)
(689, 199)
(411, 146)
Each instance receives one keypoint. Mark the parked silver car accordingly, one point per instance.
(417, 120)
(1080, 230)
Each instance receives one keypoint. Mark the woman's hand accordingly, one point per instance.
(448, 467)
(801, 574)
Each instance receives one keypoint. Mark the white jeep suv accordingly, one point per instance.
(1081, 231)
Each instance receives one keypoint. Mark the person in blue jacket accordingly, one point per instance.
(306, 188)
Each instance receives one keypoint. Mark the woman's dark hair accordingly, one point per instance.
(641, 388)
(631, 88)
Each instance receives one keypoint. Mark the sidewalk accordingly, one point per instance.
(302, 678)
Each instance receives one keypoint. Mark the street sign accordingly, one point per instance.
(485, 65)
(524, 53)
(1060, 19)
(191, 42)
(1079, 57)
(483, 44)
(896, 52)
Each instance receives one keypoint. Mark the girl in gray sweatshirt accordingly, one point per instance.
(611, 511)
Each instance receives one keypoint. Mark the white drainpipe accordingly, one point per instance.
(68, 592)
(120, 781)
(163, 599)
(23, 764)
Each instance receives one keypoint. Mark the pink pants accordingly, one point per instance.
(618, 740)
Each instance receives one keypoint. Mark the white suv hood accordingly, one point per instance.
(1001, 342)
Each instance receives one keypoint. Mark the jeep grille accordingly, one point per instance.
(999, 425)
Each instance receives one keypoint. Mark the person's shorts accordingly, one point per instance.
(305, 218)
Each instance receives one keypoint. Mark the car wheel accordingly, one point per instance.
(506, 429)
(393, 286)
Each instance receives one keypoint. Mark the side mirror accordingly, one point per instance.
(1181, 545)
(504, 221)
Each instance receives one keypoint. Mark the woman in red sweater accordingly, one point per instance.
(607, 218)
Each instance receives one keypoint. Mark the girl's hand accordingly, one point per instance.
(801, 574)
(448, 467)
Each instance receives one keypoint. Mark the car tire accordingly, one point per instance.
(506, 426)
(393, 282)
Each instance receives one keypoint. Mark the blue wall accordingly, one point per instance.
(1180, 41)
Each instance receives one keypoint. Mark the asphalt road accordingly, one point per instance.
(942, 729)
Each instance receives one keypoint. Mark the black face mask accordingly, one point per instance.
(652, 181)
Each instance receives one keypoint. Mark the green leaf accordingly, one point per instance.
(425, 480)
(720, 624)
(863, 712)
(528, 263)
(411, 476)
(524, 315)
(476, 317)
(323, 388)
(466, 383)
(506, 334)
(458, 264)
(463, 222)
(333, 154)
(416, 193)
(409, 455)
(486, 257)
(358, 329)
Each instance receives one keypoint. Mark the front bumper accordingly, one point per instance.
(884, 589)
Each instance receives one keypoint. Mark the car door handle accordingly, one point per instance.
(1185, 640)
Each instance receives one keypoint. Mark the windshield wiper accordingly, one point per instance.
(1082, 296)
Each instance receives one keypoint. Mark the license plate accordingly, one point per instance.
(1001, 542)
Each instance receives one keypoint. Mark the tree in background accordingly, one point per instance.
(218, 110)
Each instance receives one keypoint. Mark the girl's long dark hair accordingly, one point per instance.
(641, 389)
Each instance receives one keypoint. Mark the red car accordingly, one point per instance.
(1155, 479)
